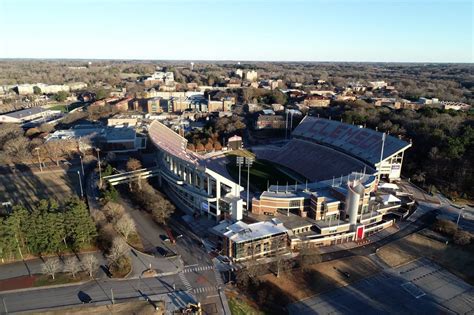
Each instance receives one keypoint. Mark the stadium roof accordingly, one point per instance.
(363, 143)
(242, 232)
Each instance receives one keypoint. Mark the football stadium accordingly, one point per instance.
(341, 200)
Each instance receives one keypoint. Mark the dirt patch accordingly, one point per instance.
(457, 259)
(322, 277)
(17, 283)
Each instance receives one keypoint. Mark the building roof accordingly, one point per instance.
(26, 112)
(241, 232)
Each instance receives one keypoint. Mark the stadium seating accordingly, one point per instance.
(170, 142)
(313, 161)
(363, 143)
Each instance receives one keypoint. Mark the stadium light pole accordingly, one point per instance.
(381, 157)
(249, 162)
(240, 162)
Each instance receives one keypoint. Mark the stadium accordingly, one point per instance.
(336, 198)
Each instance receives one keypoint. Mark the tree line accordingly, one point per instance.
(49, 227)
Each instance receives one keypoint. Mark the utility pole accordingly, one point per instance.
(80, 183)
(249, 162)
(286, 125)
(112, 295)
(100, 170)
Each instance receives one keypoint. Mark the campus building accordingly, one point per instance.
(242, 241)
(200, 184)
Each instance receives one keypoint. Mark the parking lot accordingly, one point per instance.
(420, 287)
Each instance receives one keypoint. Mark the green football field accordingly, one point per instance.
(262, 172)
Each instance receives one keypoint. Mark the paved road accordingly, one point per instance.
(422, 222)
(98, 290)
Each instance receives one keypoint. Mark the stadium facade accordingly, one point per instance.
(345, 164)
(198, 183)
(340, 202)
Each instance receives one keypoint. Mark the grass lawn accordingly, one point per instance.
(261, 173)
(457, 259)
(65, 108)
(322, 277)
(240, 307)
(60, 278)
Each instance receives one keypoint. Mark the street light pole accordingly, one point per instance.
(5, 305)
(459, 216)
(82, 165)
(100, 170)
(80, 183)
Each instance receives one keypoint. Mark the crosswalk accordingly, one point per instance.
(197, 269)
(220, 283)
(204, 290)
(185, 281)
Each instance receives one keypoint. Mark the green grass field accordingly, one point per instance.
(66, 108)
(239, 307)
(262, 172)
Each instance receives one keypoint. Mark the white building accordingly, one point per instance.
(29, 114)
(251, 75)
(200, 184)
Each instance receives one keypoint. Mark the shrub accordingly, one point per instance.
(445, 227)
(462, 238)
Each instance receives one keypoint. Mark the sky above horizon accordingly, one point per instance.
(278, 30)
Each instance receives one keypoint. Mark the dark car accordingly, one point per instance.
(84, 297)
(161, 251)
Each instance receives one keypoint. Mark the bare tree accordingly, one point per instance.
(308, 256)
(51, 267)
(162, 210)
(279, 248)
(113, 211)
(90, 264)
(125, 226)
(118, 249)
(72, 266)
(133, 164)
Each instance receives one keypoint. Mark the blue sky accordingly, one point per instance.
(288, 30)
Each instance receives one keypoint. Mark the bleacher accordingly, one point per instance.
(170, 142)
(313, 161)
(363, 143)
